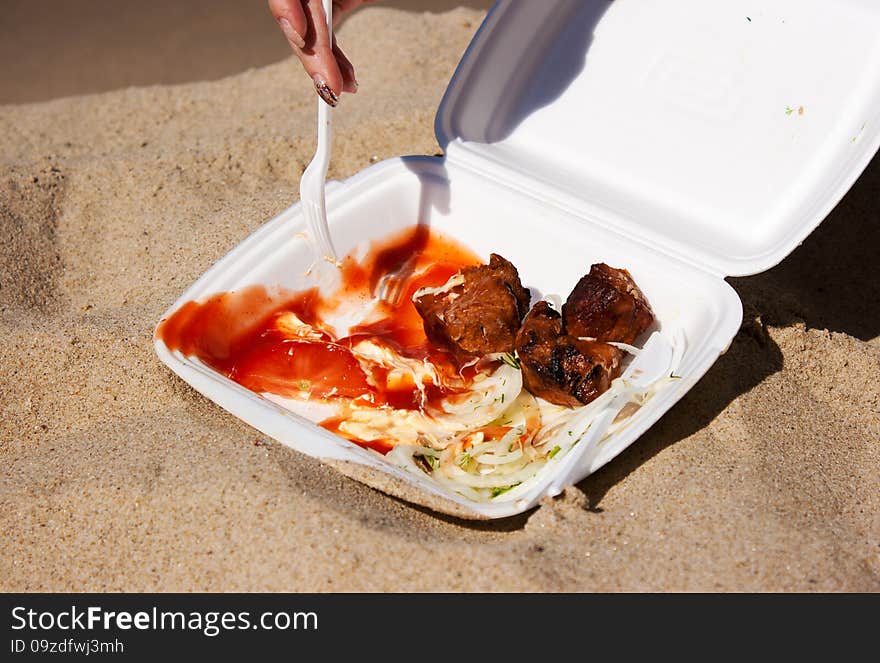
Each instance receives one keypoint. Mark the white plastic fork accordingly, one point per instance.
(311, 185)
(654, 362)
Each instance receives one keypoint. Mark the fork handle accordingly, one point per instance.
(325, 135)
(324, 108)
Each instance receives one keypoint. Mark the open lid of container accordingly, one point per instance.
(721, 131)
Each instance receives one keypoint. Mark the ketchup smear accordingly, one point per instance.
(236, 333)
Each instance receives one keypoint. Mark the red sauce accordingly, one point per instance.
(333, 425)
(235, 332)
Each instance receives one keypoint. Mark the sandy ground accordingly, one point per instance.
(115, 475)
(60, 48)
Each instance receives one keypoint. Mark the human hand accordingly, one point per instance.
(305, 26)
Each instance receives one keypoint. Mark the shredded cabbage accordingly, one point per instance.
(489, 460)
(485, 443)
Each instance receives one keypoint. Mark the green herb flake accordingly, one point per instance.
(856, 137)
(500, 490)
(464, 460)
(427, 462)
(510, 359)
(555, 450)
(789, 110)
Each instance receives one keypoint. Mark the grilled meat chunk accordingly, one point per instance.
(607, 305)
(481, 314)
(557, 366)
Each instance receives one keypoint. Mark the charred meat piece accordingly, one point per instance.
(557, 366)
(479, 315)
(607, 305)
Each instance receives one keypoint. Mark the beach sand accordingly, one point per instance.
(116, 476)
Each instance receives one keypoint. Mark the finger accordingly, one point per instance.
(349, 81)
(292, 20)
(317, 57)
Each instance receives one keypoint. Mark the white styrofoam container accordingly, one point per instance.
(685, 141)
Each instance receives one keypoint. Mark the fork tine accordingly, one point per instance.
(392, 285)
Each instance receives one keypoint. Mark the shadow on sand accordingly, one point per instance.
(829, 282)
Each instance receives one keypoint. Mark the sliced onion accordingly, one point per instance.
(499, 459)
(454, 281)
(537, 428)
(631, 349)
(488, 400)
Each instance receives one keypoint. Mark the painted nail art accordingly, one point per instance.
(292, 35)
(324, 91)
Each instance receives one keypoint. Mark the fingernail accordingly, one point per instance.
(324, 91)
(292, 35)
